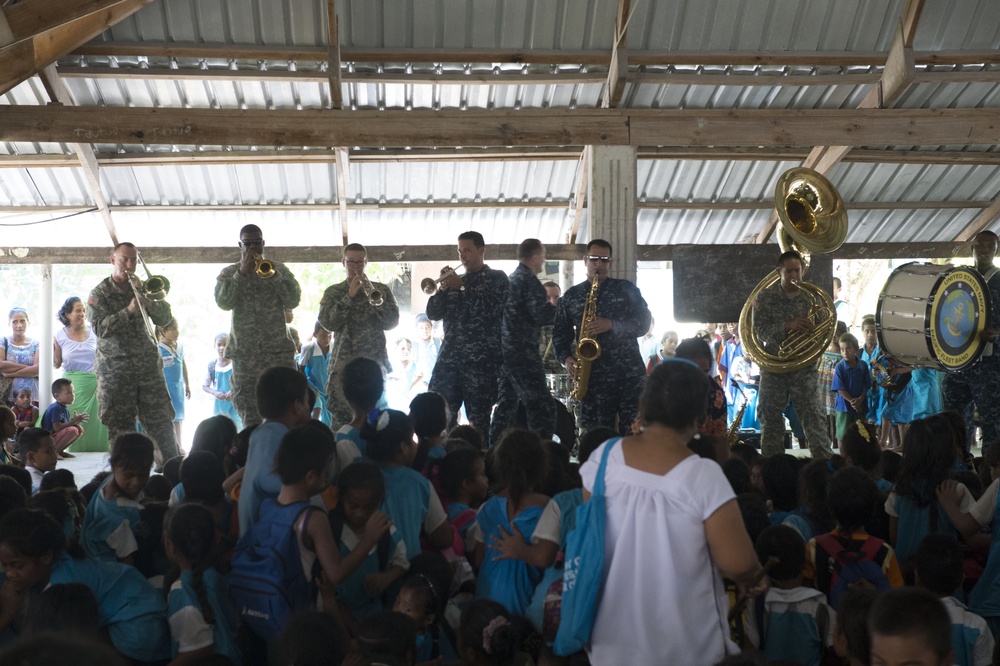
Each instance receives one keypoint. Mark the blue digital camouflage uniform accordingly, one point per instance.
(358, 329)
(980, 384)
(259, 338)
(771, 310)
(129, 369)
(469, 361)
(522, 377)
(619, 374)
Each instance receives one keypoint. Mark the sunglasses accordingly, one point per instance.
(603, 260)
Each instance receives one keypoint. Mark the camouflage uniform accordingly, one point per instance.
(130, 382)
(522, 377)
(547, 351)
(771, 310)
(469, 361)
(980, 384)
(618, 374)
(259, 338)
(358, 330)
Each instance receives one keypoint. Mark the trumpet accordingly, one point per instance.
(430, 286)
(375, 298)
(153, 288)
(264, 268)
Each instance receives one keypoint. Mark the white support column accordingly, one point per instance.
(566, 274)
(611, 205)
(45, 369)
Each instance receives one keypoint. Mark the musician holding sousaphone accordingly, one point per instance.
(257, 291)
(597, 326)
(358, 312)
(130, 382)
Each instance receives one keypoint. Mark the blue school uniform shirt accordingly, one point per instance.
(984, 598)
(351, 591)
(188, 629)
(915, 523)
(407, 501)
(853, 380)
(508, 582)
(425, 647)
(350, 446)
(56, 413)
(970, 635)
(109, 526)
(798, 625)
(567, 501)
(260, 482)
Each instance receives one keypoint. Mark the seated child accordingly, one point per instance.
(69, 608)
(462, 475)
(25, 412)
(202, 618)
(939, 570)
(910, 626)
(363, 385)
(113, 514)
(201, 479)
(429, 414)
(837, 560)
(8, 430)
(361, 493)
(64, 428)
(423, 597)
(387, 637)
(790, 622)
(489, 635)
(851, 381)
(38, 453)
(130, 610)
(851, 640)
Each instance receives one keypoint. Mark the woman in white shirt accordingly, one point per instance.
(672, 529)
(74, 349)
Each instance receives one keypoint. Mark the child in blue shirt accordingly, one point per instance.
(423, 598)
(851, 381)
(33, 550)
(410, 501)
(790, 623)
(112, 517)
(363, 385)
(314, 361)
(201, 615)
(520, 464)
(462, 475)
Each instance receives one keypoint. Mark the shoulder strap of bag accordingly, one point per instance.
(599, 478)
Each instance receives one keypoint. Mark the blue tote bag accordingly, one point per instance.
(584, 568)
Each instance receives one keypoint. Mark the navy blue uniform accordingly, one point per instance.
(522, 376)
(618, 375)
(469, 361)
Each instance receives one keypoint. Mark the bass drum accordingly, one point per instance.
(931, 316)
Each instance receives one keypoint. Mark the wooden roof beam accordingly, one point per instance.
(989, 215)
(614, 88)
(581, 193)
(45, 30)
(333, 56)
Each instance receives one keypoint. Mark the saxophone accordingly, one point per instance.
(733, 436)
(587, 349)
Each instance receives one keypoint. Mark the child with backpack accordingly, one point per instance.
(272, 565)
(462, 476)
(361, 493)
(812, 516)
(940, 564)
(363, 386)
(791, 622)
(839, 559)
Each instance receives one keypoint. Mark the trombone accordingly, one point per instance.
(153, 288)
(375, 298)
(430, 286)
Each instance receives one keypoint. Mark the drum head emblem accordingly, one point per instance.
(957, 319)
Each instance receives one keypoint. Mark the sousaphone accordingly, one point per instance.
(812, 218)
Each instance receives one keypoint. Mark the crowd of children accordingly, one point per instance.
(395, 542)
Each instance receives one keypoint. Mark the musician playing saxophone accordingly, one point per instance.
(130, 383)
(618, 375)
(779, 311)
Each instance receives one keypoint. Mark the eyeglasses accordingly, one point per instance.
(603, 260)
(252, 243)
(355, 262)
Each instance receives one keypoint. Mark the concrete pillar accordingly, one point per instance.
(45, 337)
(567, 274)
(611, 204)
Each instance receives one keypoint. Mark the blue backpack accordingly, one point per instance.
(843, 562)
(267, 582)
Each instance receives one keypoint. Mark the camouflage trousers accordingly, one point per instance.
(246, 370)
(775, 390)
(524, 384)
(127, 394)
(475, 385)
(340, 412)
(614, 403)
(979, 385)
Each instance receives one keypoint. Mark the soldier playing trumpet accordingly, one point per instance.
(130, 383)
(358, 312)
(618, 374)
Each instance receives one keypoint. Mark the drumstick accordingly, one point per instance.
(741, 603)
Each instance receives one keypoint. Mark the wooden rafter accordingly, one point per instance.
(343, 175)
(581, 193)
(530, 56)
(897, 74)
(618, 67)
(987, 217)
(333, 56)
(44, 30)
(58, 94)
(544, 127)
